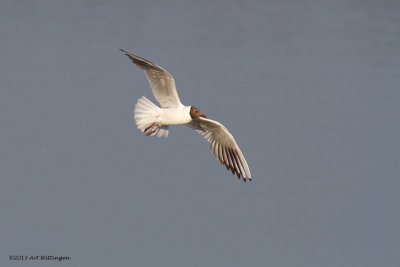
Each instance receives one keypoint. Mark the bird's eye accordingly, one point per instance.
(195, 111)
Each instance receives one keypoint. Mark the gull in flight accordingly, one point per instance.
(155, 121)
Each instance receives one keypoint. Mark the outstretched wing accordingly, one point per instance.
(161, 82)
(223, 145)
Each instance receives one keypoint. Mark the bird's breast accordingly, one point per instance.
(175, 116)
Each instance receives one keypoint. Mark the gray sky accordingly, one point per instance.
(309, 89)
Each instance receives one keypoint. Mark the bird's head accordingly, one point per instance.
(195, 112)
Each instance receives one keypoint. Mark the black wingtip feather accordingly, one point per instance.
(141, 62)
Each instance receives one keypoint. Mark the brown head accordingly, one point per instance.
(195, 112)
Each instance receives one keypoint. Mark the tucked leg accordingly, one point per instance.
(154, 131)
(148, 128)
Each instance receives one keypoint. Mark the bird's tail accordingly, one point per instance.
(145, 114)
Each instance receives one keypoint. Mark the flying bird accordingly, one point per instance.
(155, 121)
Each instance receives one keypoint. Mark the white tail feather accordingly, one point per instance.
(145, 113)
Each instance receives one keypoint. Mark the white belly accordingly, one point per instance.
(175, 116)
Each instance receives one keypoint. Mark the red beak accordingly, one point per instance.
(203, 116)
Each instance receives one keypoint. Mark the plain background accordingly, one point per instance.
(309, 89)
